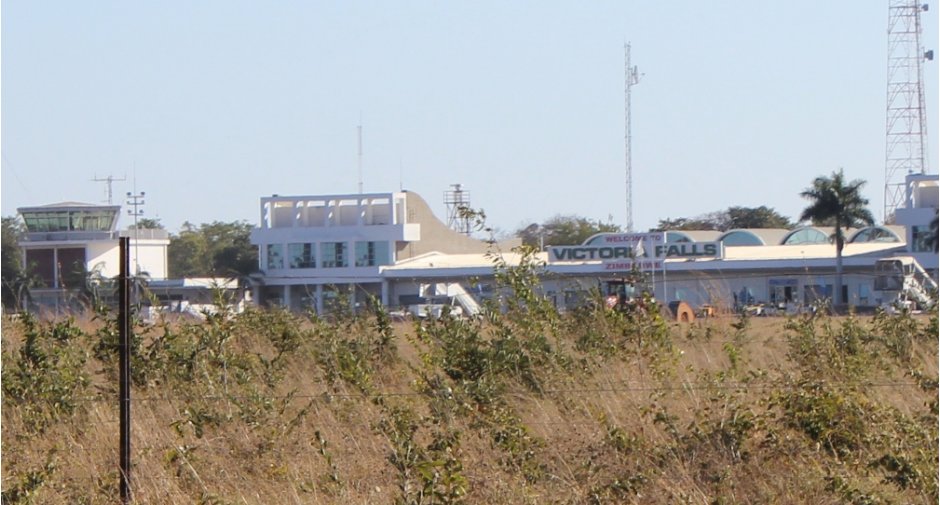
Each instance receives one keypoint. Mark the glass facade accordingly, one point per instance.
(677, 237)
(864, 294)
(921, 238)
(370, 254)
(741, 238)
(275, 256)
(333, 254)
(806, 236)
(69, 220)
(301, 256)
(875, 234)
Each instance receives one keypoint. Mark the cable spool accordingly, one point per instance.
(682, 312)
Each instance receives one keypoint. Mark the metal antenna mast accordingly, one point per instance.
(631, 77)
(906, 118)
(360, 153)
(109, 180)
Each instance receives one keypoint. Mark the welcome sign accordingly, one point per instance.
(610, 247)
(625, 249)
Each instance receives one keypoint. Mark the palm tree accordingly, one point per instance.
(839, 204)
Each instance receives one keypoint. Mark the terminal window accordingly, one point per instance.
(333, 254)
(275, 257)
(921, 239)
(370, 254)
(301, 255)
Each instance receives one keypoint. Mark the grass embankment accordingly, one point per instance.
(527, 406)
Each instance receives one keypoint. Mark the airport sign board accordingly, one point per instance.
(623, 251)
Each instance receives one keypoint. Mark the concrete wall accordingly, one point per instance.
(152, 255)
(436, 236)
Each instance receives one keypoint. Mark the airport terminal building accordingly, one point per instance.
(319, 250)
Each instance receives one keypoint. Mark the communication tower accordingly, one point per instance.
(458, 201)
(631, 78)
(906, 118)
(109, 180)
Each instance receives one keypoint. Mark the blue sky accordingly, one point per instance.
(210, 105)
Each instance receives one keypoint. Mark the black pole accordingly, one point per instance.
(124, 331)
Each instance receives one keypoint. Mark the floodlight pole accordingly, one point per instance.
(136, 200)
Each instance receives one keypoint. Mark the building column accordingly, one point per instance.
(256, 295)
(55, 271)
(286, 297)
(319, 295)
(384, 293)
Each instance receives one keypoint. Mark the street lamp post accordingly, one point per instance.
(136, 200)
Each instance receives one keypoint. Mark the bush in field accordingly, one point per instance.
(45, 378)
(521, 404)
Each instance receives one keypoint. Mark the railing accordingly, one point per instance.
(923, 277)
(63, 236)
(919, 285)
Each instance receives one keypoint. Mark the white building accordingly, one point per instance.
(66, 242)
(320, 250)
(920, 208)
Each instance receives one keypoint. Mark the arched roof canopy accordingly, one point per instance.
(678, 237)
(875, 234)
(805, 235)
(595, 239)
(736, 238)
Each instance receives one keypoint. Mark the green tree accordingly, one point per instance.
(186, 253)
(15, 280)
(703, 222)
(840, 204)
(216, 249)
(230, 248)
(756, 217)
(724, 220)
(147, 223)
(563, 230)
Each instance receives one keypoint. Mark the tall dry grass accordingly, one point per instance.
(523, 406)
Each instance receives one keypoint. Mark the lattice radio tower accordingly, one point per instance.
(631, 78)
(906, 118)
(458, 201)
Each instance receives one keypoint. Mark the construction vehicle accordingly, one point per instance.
(634, 293)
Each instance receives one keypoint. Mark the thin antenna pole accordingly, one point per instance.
(360, 153)
(631, 77)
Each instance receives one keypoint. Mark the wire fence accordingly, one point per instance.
(328, 396)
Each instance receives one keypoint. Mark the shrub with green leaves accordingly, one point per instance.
(45, 378)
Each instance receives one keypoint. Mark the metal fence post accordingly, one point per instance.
(124, 331)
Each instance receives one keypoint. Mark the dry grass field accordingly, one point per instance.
(525, 406)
